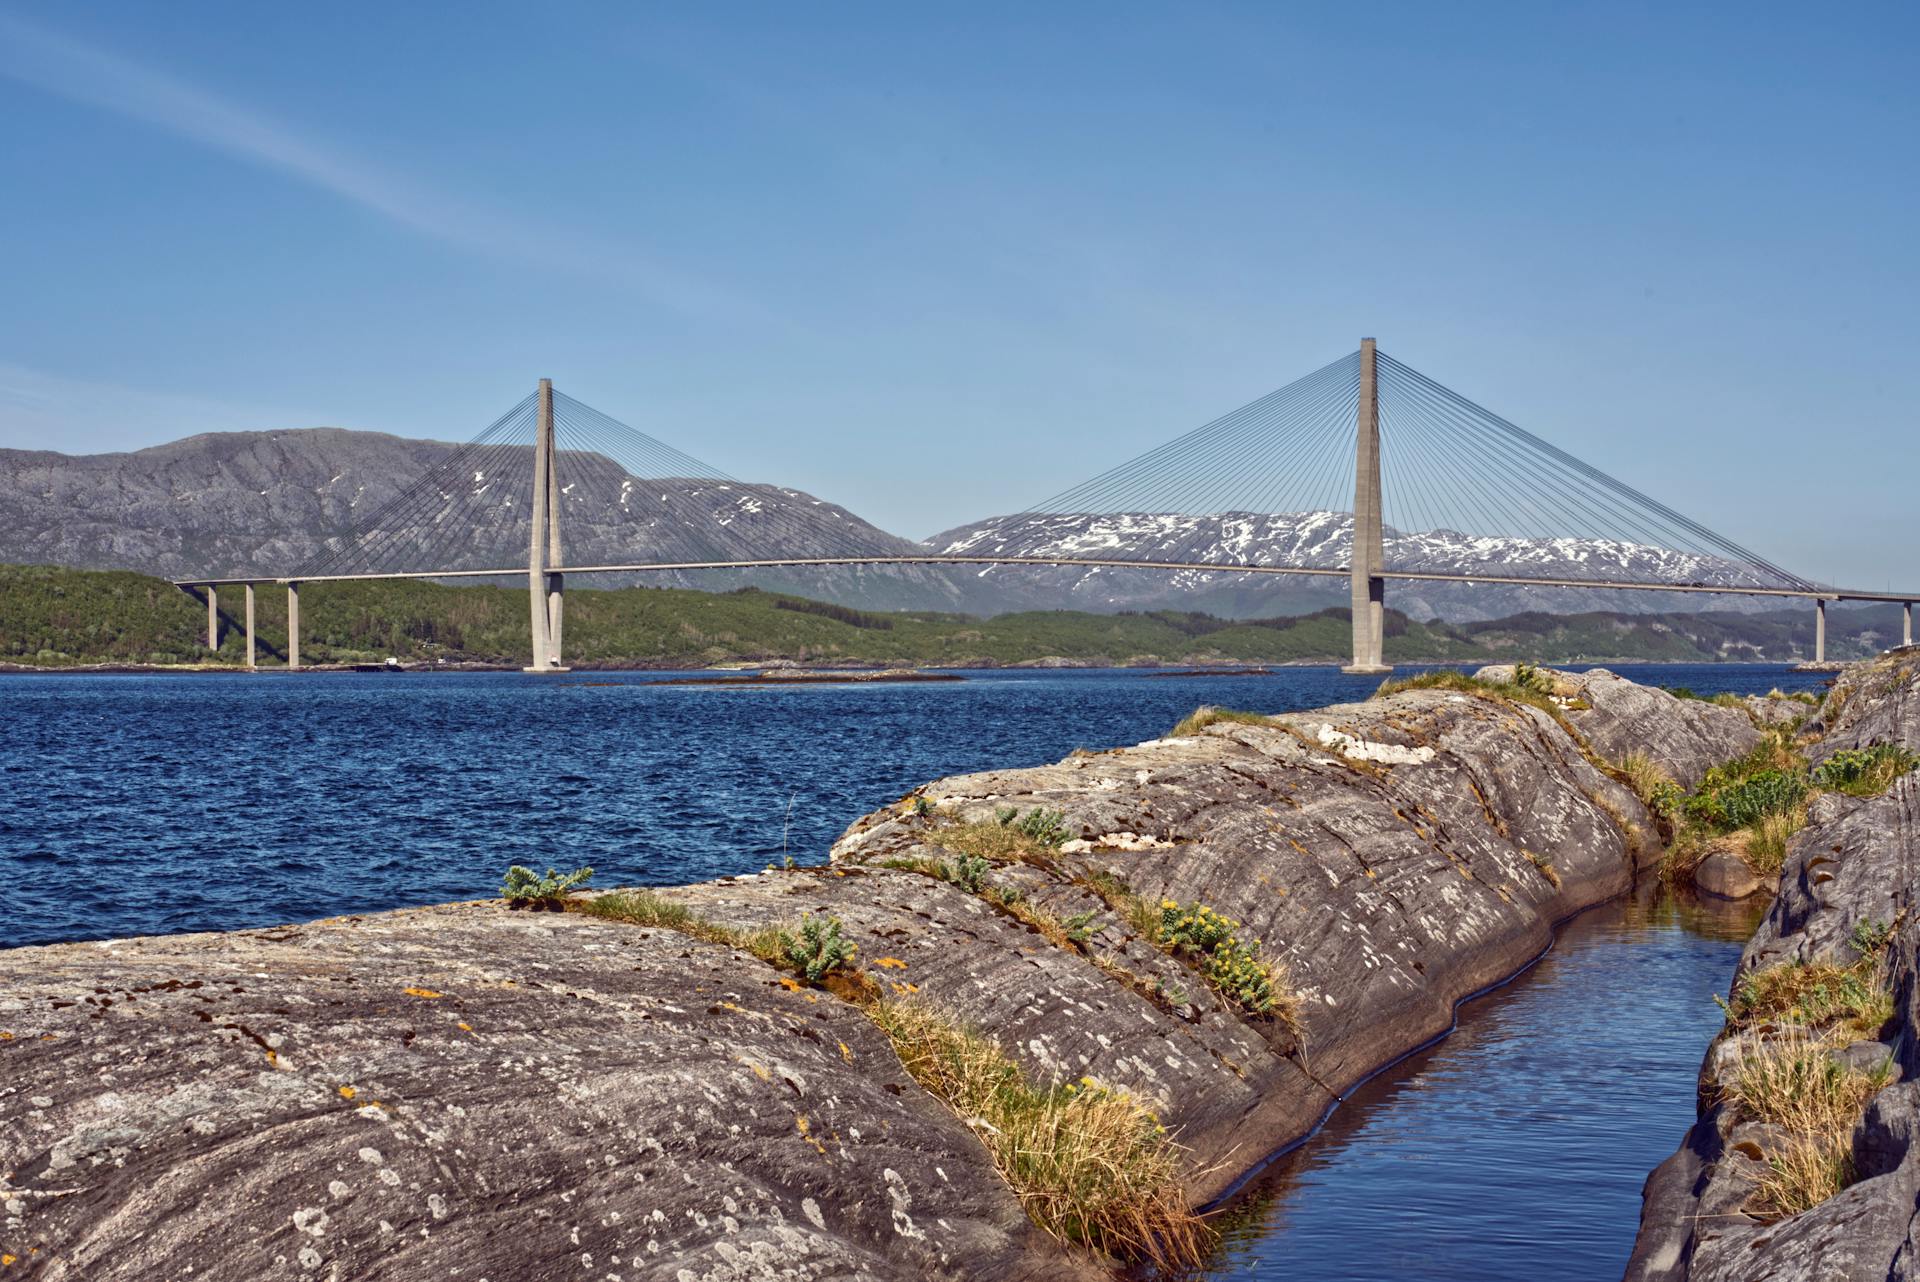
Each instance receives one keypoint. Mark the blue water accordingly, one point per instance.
(147, 804)
(1513, 1150)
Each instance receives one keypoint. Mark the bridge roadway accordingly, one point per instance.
(1228, 567)
(1819, 596)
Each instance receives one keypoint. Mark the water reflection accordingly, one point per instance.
(1516, 1148)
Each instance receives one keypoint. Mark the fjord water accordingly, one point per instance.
(1515, 1149)
(141, 804)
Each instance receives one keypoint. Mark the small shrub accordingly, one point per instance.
(1224, 960)
(1090, 1164)
(922, 807)
(1527, 676)
(1048, 827)
(1865, 772)
(1081, 926)
(969, 872)
(1742, 801)
(522, 887)
(819, 947)
(1869, 937)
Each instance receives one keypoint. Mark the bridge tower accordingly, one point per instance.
(546, 585)
(1369, 548)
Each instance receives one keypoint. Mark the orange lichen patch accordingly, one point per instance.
(800, 1123)
(846, 1053)
(273, 1059)
(347, 1092)
(421, 992)
(8, 1259)
(5, 1036)
(791, 984)
(758, 1071)
(465, 1027)
(902, 989)
(891, 963)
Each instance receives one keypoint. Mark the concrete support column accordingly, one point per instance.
(542, 648)
(1369, 552)
(1906, 623)
(250, 639)
(1820, 630)
(556, 581)
(293, 627)
(213, 617)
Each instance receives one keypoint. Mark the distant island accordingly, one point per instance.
(56, 617)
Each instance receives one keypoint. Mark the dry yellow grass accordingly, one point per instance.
(1091, 1165)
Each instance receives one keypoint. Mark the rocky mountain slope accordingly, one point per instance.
(267, 503)
(666, 1094)
(1321, 539)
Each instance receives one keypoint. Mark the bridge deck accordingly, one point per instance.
(1341, 572)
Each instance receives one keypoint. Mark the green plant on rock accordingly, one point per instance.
(1048, 827)
(1227, 962)
(522, 887)
(1080, 927)
(1743, 801)
(1869, 937)
(1841, 1003)
(1865, 772)
(969, 872)
(1528, 676)
(818, 948)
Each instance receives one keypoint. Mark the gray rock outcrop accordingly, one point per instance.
(1851, 872)
(465, 1091)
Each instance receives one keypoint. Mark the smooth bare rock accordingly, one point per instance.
(1877, 701)
(1725, 875)
(1855, 864)
(468, 1092)
(1684, 737)
(1395, 855)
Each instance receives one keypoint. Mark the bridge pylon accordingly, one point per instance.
(546, 585)
(1369, 544)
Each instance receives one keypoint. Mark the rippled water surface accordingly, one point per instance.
(1513, 1150)
(1516, 1148)
(141, 804)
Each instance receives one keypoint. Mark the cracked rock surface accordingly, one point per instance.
(467, 1092)
(1856, 862)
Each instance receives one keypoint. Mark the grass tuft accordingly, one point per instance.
(1797, 1085)
(1865, 772)
(1200, 718)
(1090, 1164)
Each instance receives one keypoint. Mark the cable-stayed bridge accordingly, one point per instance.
(1364, 470)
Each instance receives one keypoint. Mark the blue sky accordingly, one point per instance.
(936, 263)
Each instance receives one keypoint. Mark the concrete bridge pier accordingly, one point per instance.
(1369, 589)
(1906, 623)
(1820, 630)
(293, 627)
(545, 588)
(250, 638)
(213, 617)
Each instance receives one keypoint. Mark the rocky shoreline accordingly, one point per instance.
(454, 1090)
(1822, 1011)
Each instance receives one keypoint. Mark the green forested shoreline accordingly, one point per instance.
(55, 617)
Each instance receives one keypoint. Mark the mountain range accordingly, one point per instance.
(278, 503)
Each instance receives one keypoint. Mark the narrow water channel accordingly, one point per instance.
(1516, 1148)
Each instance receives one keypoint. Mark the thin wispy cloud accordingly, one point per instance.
(39, 410)
(57, 64)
